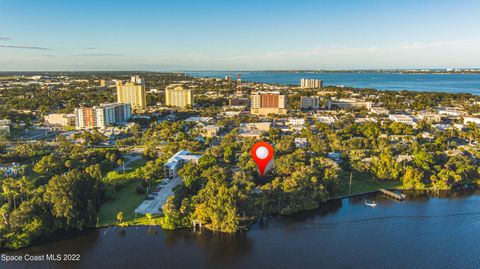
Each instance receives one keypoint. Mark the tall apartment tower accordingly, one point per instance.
(264, 103)
(132, 93)
(311, 83)
(84, 118)
(177, 96)
(102, 116)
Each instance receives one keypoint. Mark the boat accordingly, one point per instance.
(370, 204)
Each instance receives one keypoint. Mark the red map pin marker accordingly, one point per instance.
(262, 153)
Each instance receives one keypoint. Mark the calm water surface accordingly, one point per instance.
(423, 232)
(451, 83)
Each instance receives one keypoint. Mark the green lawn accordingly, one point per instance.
(362, 182)
(126, 200)
(136, 164)
(142, 220)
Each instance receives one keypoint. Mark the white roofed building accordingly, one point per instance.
(177, 161)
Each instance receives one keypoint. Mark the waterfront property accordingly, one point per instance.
(311, 83)
(336, 224)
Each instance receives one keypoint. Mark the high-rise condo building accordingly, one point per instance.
(102, 116)
(264, 103)
(177, 96)
(311, 83)
(132, 93)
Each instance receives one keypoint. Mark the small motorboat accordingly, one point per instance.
(370, 204)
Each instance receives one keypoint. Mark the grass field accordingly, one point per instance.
(362, 182)
(142, 220)
(126, 200)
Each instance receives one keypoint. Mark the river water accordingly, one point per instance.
(422, 232)
(450, 83)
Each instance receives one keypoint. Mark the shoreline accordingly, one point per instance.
(74, 233)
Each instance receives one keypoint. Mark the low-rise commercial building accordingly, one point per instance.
(429, 117)
(379, 110)
(451, 111)
(401, 118)
(254, 129)
(60, 120)
(348, 103)
(327, 119)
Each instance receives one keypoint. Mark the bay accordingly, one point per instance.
(447, 83)
(422, 232)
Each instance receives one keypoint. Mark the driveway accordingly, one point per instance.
(155, 206)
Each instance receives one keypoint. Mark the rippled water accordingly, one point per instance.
(451, 83)
(423, 232)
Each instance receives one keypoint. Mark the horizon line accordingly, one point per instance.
(250, 70)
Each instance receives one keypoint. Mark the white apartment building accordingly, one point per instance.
(177, 161)
(312, 102)
(311, 83)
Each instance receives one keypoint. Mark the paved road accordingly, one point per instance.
(154, 206)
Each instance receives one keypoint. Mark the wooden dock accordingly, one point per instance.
(391, 194)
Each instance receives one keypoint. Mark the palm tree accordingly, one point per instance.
(10, 189)
(26, 187)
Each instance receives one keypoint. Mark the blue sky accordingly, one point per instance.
(233, 35)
